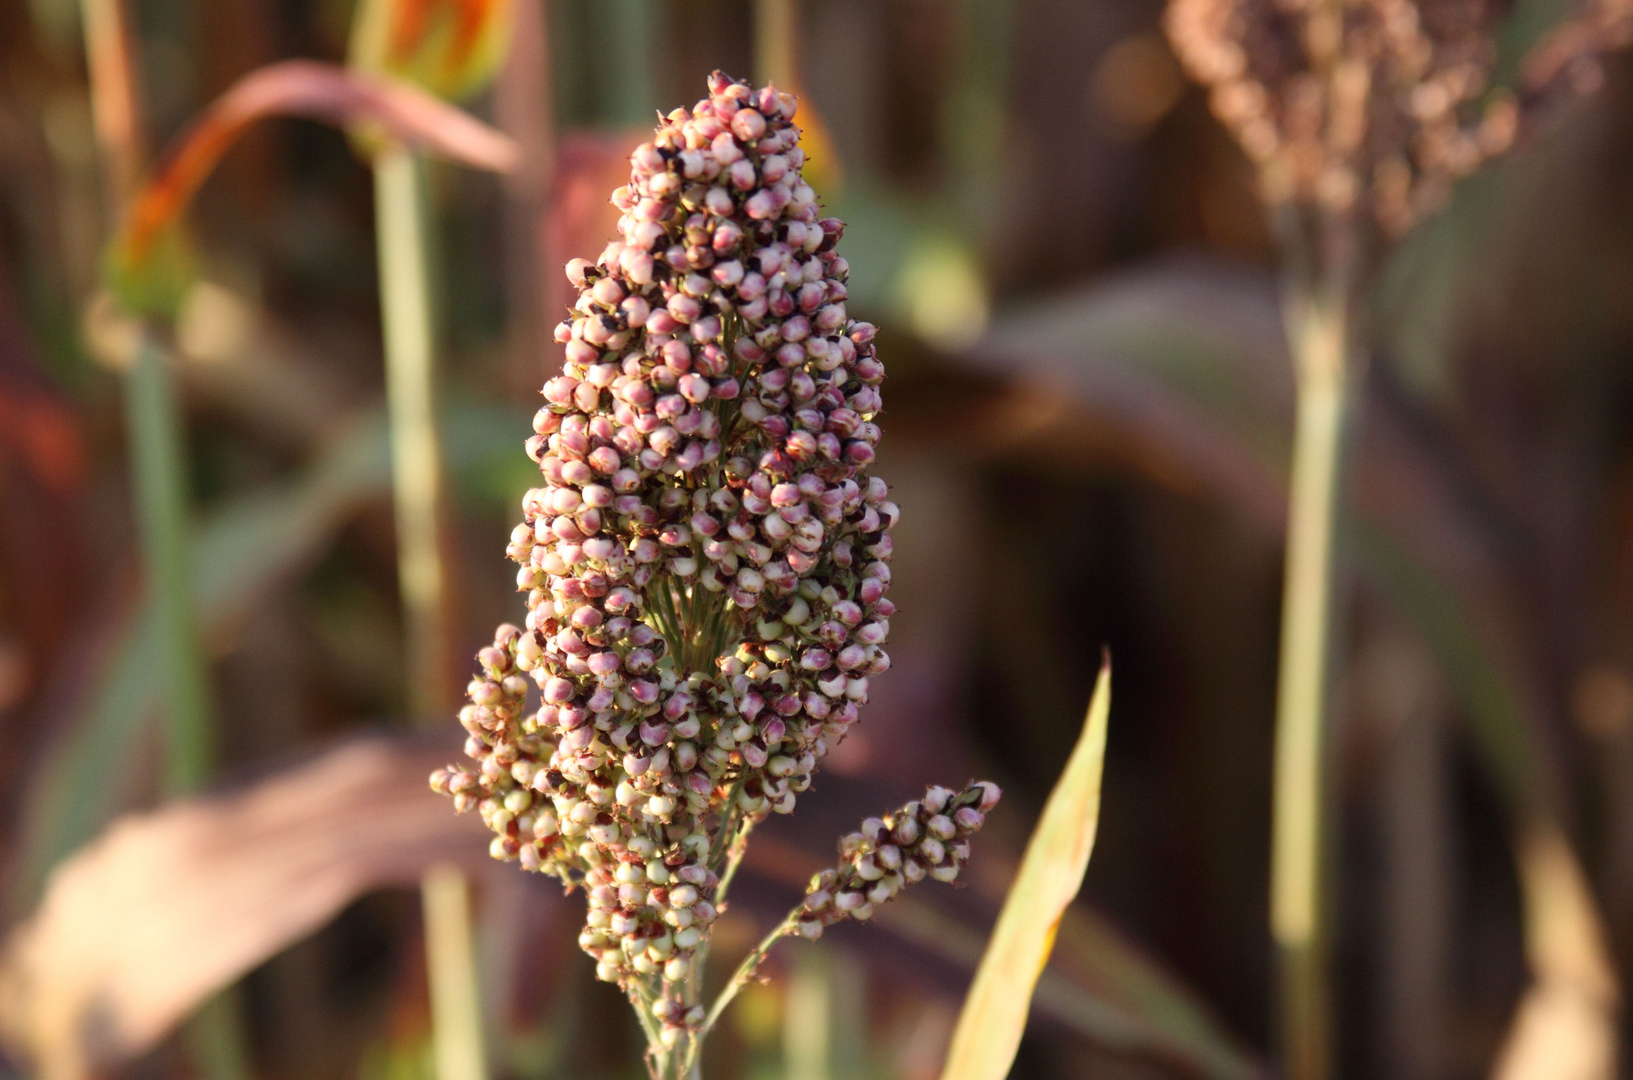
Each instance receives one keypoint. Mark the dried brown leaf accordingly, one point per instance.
(167, 907)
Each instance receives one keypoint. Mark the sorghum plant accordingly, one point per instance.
(705, 566)
(1359, 116)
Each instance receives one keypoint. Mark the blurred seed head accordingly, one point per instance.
(1375, 106)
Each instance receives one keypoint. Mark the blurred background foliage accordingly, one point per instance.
(1087, 429)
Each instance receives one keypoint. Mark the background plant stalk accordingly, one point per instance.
(1318, 334)
(155, 435)
(403, 227)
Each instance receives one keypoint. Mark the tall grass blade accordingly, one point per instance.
(995, 1010)
(1565, 1026)
(159, 461)
(1098, 986)
(156, 446)
(240, 550)
(1565, 1023)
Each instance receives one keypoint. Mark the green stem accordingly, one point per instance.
(723, 845)
(215, 1039)
(1318, 332)
(629, 29)
(739, 979)
(159, 463)
(456, 1002)
(734, 859)
(809, 1030)
(214, 1036)
(776, 43)
(649, 1025)
(403, 228)
(157, 448)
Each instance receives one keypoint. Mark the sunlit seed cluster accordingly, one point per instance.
(707, 558)
(927, 838)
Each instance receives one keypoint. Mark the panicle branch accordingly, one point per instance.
(926, 838)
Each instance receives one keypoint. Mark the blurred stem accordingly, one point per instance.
(406, 310)
(972, 120)
(524, 106)
(808, 1020)
(158, 458)
(1318, 333)
(739, 979)
(214, 1036)
(629, 28)
(215, 1039)
(403, 228)
(116, 104)
(158, 462)
(776, 43)
(456, 1010)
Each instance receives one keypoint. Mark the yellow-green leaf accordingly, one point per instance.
(994, 1015)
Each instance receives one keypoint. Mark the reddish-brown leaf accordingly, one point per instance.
(316, 91)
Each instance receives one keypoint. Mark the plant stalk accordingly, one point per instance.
(407, 311)
(739, 979)
(116, 101)
(153, 415)
(402, 219)
(808, 1019)
(629, 28)
(159, 466)
(456, 1000)
(157, 448)
(1318, 335)
(776, 38)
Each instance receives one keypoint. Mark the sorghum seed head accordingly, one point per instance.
(705, 561)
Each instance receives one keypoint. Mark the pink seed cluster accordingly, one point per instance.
(706, 560)
(927, 838)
